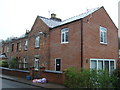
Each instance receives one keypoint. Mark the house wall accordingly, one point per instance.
(69, 53)
(91, 38)
(43, 50)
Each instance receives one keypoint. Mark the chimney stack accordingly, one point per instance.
(53, 17)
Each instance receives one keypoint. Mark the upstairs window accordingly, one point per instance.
(64, 35)
(17, 47)
(20, 46)
(12, 47)
(103, 35)
(37, 41)
(26, 45)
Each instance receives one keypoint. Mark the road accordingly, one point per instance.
(12, 84)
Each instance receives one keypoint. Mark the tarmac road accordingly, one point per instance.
(12, 84)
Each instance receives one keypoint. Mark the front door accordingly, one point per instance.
(57, 64)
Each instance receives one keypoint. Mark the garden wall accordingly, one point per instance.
(14, 72)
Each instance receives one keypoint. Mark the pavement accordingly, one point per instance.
(29, 82)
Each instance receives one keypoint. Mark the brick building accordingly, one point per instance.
(89, 40)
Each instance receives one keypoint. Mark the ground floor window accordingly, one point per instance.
(25, 62)
(103, 64)
(20, 64)
(36, 64)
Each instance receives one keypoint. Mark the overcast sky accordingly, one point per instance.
(18, 15)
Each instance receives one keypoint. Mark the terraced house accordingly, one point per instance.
(89, 40)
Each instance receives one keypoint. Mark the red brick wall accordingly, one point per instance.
(52, 77)
(91, 38)
(68, 53)
(43, 51)
(15, 73)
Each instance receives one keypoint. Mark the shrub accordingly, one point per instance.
(3, 63)
(75, 78)
(13, 63)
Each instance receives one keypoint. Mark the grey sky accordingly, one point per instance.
(18, 15)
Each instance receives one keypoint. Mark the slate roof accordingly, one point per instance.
(53, 23)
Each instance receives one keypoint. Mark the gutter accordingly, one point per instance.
(81, 44)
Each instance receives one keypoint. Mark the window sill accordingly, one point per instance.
(64, 42)
(37, 47)
(103, 43)
(36, 69)
(52, 71)
(25, 50)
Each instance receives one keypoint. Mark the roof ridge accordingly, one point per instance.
(53, 23)
(84, 13)
(43, 17)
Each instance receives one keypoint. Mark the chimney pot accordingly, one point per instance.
(53, 15)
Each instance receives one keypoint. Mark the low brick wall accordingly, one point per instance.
(15, 72)
(53, 76)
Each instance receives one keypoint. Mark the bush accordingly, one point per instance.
(13, 63)
(89, 79)
(3, 63)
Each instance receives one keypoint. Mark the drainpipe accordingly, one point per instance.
(81, 44)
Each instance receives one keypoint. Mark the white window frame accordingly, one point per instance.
(7, 49)
(103, 32)
(92, 59)
(20, 46)
(20, 64)
(37, 41)
(64, 31)
(25, 62)
(36, 64)
(26, 45)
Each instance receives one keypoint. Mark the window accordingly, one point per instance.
(37, 41)
(103, 35)
(20, 46)
(26, 45)
(17, 47)
(12, 47)
(7, 49)
(64, 35)
(36, 64)
(25, 63)
(102, 64)
(93, 64)
(20, 64)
